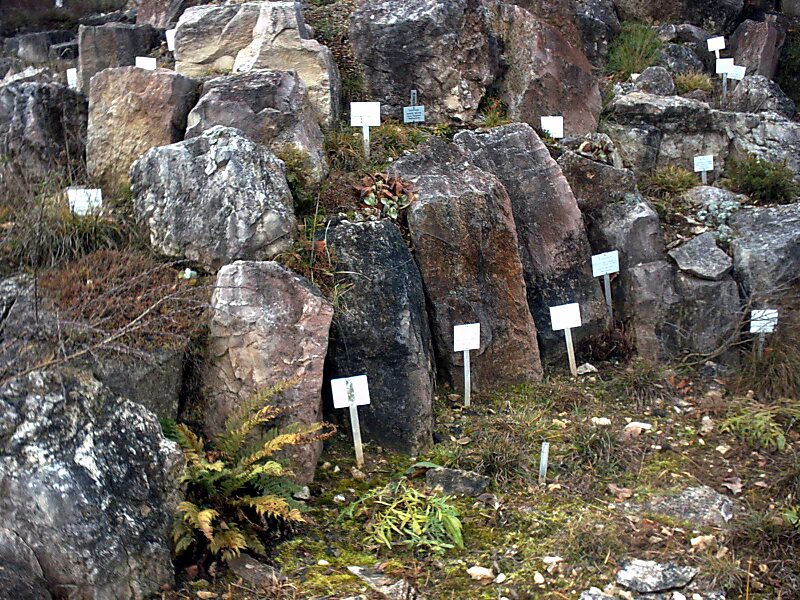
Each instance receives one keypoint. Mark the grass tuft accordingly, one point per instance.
(633, 50)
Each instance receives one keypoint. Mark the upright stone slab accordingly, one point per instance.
(35, 47)
(757, 45)
(111, 45)
(465, 243)
(160, 13)
(130, 111)
(595, 184)
(268, 326)
(553, 246)
(381, 330)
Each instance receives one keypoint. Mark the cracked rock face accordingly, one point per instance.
(90, 486)
(702, 258)
(646, 576)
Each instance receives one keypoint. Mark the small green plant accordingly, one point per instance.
(764, 427)
(494, 113)
(642, 382)
(762, 181)
(669, 181)
(633, 50)
(792, 516)
(386, 194)
(296, 163)
(238, 493)
(401, 515)
(693, 81)
(789, 67)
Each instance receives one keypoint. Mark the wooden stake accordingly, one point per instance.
(573, 367)
(762, 338)
(356, 426)
(467, 379)
(609, 301)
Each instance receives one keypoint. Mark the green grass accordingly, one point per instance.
(633, 50)
(693, 81)
(762, 181)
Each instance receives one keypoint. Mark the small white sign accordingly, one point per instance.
(724, 66)
(59, 3)
(737, 72)
(566, 316)
(170, 33)
(605, 263)
(365, 114)
(84, 201)
(146, 62)
(553, 126)
(703, 163)
(72, 78)
(414, 114)
(466, 337)
(350, 390)
(764, 320)
(716, 43)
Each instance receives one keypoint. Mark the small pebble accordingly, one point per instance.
(538, 578)
(339, 499)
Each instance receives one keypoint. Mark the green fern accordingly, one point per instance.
(764, 427)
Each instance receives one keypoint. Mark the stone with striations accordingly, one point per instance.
(111, 45)
(160, 13)
(595, 184)
(757, 45)
(756, 93)
(702, 258)
(598, 24)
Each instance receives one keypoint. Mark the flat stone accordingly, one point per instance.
(656, 80)
(647, 576)
(701, 506)
(457, 481)
(702, 258)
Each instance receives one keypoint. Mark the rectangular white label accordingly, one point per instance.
(703, 163)
(466, 337)
(414, 114)
(764, 320)
(606, 263)
(83, 201)
(716, 43)
(171, 39)
(146, 62)
(737, 72)
(724, 66)
(553, 126)
(72, 78)
(350, 390)
(59, 3)
(365, 113)
(566, 316)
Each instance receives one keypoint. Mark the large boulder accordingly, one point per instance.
(21, 575)
(465, 243)
(268, 326)
(553, 247)
(757, 45)
(593, 183)
(271, 107)
(757, 93)
(42, 132)
(35, 47)
(442, 49)
(111, 45)
(160, 13)
(716, 15)
(598, 24)
(214, 199)
(381, 330)
(90, 486)
(130, 111)
(656, 80)
(679, 59)
(543, 73)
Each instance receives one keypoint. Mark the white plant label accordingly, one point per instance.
(553, 126)
(72, 78)
(737, 73)
(715, 44)
(350, 390)
(466, 337)
(365, 114)
(704, 163)
(605, 263)
(171, 39)
(724, 66)
(83, 201)
(59, 3)
(763, 320)
(146, 62)
(566, 316)
(414, 114)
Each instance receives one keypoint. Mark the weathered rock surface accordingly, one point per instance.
(766, 248)
(123, 122)
(701, 506)
(714, 207)
(677, 59)
(42, 131)
(715, 15)
(598, 24)
(702, 258)
(209, 37)
(271, 107)
(595, 184)
(756, 93)
(214, 199)
(80, 465)
(111, 45)
(457, 481)
(268, 326)
(594, 594)
(160, 13)
(20, 573)
(553, 246)
(757, 45)
(441, 49)
(382, 331)
(647, 576)
(656, 80)
(35, 47)
(465, 242)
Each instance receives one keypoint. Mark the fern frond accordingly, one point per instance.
(306, 435)
(200, 519)
(253, 543)
(182, 535)
(192, 446)
(273, 507)
(229, 542)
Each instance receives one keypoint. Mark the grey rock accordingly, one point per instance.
(594, 594)
(702, 258)
(31, 74)
(382, 331)
(387, 587)
(656, 80)
(270, 107)
(160, 13)
(714, 15)
(255, 573)
(757, 45)
(457, 482)
(553, 246)
(757, 93)
(35, 47)
(64, 51)
(90, 485)
(715, 207)
(647, 576)
(214, 199)
(708, 315)
(20, 573)
(679, 59)
(116, 16)
(701, 506)
(596, 184)
(598, 24)
(111, 45)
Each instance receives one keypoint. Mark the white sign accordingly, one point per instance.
(414, 114)
(715, 44)
(606, 263)
(365, 114)
(703, 163)
(566, 316)
(553, 126)
(764, 320)
(59, 3)
(72, 78)
(83, 201)
(350, 390)
(146, 62)
(171, 39)
(737, 72)
(466, 337)
(724, 66)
